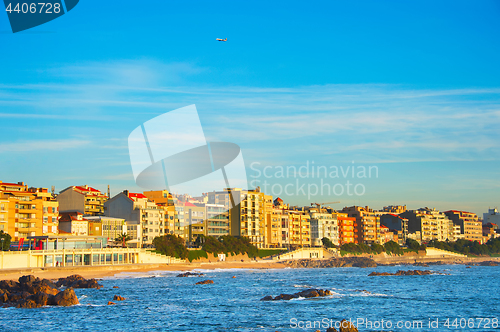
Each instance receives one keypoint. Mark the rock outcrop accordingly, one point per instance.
(488, 263)
(205, 282)
(65, 298)
(332, 262)
(118, 298)
(32, 292)
(190, 274)
(308, 293)
(77, 281)
(405, 273)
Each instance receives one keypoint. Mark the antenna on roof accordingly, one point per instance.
(109, 192)
(53, 190)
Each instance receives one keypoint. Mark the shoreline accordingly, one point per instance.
(99, 272)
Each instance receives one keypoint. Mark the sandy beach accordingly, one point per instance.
(109, 271)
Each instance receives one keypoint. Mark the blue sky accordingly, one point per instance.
(410, 87)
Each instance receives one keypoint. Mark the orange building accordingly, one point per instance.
(347, 229)
(27, 212)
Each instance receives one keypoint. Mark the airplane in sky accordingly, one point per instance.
(218, 39)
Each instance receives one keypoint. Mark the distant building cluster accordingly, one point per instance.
(82, 211)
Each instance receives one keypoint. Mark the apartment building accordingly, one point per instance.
(165, 200)
(347, 229)
(83, 199)
(397, 224)
(300, 228)
(194, 216)
(136, 209)
(27, 211)
(217, 220)
(431, 223)
(323, 225)
(470, 226)
(367, 223)
(492, 216)
(247, 212)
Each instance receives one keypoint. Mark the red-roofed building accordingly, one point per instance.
(84, 199)
(142, 217)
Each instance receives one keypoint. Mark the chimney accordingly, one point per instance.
(125, 192)
(109, 192)
(21, 183)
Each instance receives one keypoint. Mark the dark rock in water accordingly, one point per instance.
(331, 329)
(468, 267)
(404, 273)
(116, 287)
(308, 293)
(188, 274)
(77, 281)
(489, 263)
(332, 262)
(118, 298)
(65, 298)
(111, 303)
(205, 282)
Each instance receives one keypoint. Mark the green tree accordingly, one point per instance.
(412, 244)
(377, 248)
(328, 243)
(393, 247)
(6, 240)
(171, 245)
(123, 238)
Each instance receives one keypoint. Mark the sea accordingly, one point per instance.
(459, 299)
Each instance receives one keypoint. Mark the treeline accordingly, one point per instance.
(390, 247)
(227, 244)
(375, 248)
(173, 245)
(469, 247)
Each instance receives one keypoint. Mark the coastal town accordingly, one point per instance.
(82, 217)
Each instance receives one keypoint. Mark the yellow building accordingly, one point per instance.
(470, 226)
(27, 211)
(164, 200)
(300, 229)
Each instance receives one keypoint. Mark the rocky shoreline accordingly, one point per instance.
(32, 292)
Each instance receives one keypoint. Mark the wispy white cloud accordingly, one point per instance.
(42, 145)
